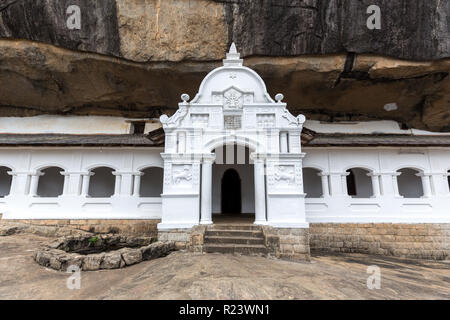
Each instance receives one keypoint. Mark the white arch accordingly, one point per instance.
(152, 165)
(95, 166)
(46, 166)
(253, 145)
(219, 70)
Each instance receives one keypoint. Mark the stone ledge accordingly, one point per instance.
(53, 257)
(62, 227)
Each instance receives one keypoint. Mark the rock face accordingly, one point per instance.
(134, 58)
(416, 30)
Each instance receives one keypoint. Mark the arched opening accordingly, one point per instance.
(102, 183)
(151, 182)
(312, 183)
(231, 200)
(233, 185)
(409, 184)
(359, 184)
(51, 183)
(5, 181)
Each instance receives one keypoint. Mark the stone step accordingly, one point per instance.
(234, 240)
(247, 249)
(234, 233)
(234, 227)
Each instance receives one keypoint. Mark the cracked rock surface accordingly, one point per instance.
(183, 275)
(134, 58)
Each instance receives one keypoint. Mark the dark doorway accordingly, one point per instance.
(231, 201)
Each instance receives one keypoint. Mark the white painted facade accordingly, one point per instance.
(231, 108)
(283, 184)
(431, 201)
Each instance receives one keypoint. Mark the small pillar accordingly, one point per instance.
(260, 192)
(66, 183)
(375, 184)
(137, 184)
(206, 202)
(395, 183)
(85, 184)
(426, 184)
(284, 142)
(344, 183)
(34, 183)
(117, 183)
(325, 185)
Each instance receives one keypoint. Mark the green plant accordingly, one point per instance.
(93, 240)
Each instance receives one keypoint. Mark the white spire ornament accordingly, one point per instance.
(233, 57)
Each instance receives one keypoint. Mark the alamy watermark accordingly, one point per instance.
(74, 281)
(374, 280)
(73, 22)
(374, 20)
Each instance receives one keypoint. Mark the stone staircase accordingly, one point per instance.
(246, 239)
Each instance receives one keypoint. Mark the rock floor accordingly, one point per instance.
(182, 275)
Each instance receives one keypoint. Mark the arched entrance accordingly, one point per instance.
(231, 199)
(233, 185)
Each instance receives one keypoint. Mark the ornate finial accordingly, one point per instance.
(185, 97)
(233, 57)
(279, 97)
(233, 48)
(301, 119)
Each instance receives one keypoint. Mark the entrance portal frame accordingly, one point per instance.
(232, 107)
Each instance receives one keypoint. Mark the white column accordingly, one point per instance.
(66, 183)
(260, 192)
(181, 139)
(34, 184)
(344, 183)
(395, 183)
(206, 210)
(425, 184)
(85, 184)
(117, 184)
(325, 186)
(283, 142)
(137, 184)
(20, 183)
(126, 183)
(375, 184)
(335, 184)
(12, 188)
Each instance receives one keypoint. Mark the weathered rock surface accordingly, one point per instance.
(64, 252)
(174, 30)
(183, 275)
(135, 57)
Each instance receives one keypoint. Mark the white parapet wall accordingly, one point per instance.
(85, 174)
(407, 185)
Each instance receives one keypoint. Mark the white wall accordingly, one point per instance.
(70, 125)
(387, 205)
(77, 163)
